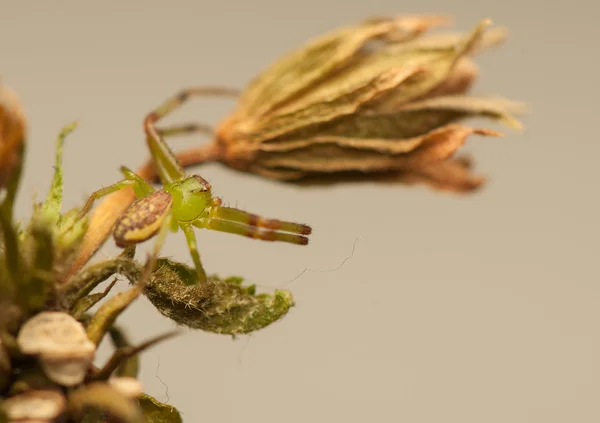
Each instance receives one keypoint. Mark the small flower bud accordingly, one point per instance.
(61, 345)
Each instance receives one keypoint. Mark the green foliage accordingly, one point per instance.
(223, 306)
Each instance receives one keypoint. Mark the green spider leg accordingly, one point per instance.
(166, 163)
(140, 187)
(190, 237)
(235, 221)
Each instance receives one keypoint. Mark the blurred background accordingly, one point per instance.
(470, 309)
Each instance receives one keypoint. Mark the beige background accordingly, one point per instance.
(479, 309)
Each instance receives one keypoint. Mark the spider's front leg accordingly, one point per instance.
(140, 187)
(239, 222)
(103, 192)
(164, 161)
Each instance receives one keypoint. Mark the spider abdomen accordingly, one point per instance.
(143, 219)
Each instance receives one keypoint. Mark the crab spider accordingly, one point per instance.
(184, 202)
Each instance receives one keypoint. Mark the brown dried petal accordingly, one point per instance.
(314, 61)
(459, 81)
(13, 127)
(344, 103)
(399, 131)
(434, 146)
(453, 175)
(439, 62)
(492, 107)
(491, 38)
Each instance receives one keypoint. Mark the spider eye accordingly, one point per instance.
(204, 185)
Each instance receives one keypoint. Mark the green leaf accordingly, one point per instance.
(89, 278)
(38, 254)
(106, 315)
(89, 301)
(157, 412)
(222, 306)
(53, 202)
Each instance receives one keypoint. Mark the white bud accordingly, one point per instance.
(34, 406)
(61, 344)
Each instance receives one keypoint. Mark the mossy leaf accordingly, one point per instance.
(155, 411)
(224, 306)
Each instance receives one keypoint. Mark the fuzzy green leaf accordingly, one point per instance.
(222, 306)
(106, 315)
(157, 412)
(53, 202)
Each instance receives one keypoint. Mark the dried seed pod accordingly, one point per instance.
(364, 98)
(43, 406)
(61, 345)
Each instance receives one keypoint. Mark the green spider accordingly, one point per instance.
(184, 202)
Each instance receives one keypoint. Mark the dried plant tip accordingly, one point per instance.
(131, 365)
(61, 345)
(13, 132)
(34, 406)
(125, 357)
(362, 98)
(130, 387)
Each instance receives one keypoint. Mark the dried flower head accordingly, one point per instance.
(380, 96)
(61, 344)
